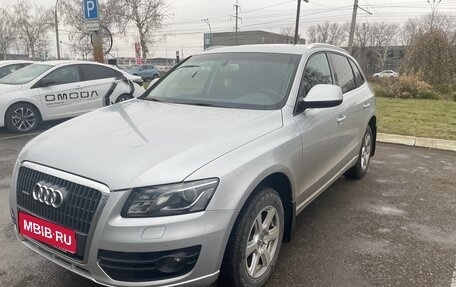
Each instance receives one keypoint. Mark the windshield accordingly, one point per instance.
(25, 75)
(232, 80)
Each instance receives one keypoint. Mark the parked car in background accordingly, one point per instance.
(386, 74)
(10, 66)
(147, 72)
(201, 177)
(61, 89)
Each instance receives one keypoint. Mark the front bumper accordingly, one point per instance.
(110, 232)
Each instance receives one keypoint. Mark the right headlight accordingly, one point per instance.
(171, 199)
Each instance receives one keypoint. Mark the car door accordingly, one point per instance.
(63, 97)
(353, 112)
(99, 82)
(320, 131)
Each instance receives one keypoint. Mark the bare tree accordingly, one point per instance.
(73, 16)
(334, 34)
(7, 31)
(288, 33)
(146, 15)
(33, 23)
(383, 37)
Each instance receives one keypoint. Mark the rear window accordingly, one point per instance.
(96, 72)
(344, 73)
(359, 80)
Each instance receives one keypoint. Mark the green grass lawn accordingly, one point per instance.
(422, 118)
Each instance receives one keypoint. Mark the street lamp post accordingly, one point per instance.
(57, 30)
(298, 12)
(206, 20)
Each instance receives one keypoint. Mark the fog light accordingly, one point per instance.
(171, 264)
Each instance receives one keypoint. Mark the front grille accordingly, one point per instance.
(75, 213)
(148, 266)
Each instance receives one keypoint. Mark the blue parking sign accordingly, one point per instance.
(90, 9)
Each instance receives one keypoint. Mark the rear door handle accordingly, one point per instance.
(366, 106)
(341, 119)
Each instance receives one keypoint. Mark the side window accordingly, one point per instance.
(96, 72)
(343, 72)
(359, 80)
(64, 75)
(317, 71)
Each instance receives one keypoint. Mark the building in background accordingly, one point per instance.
(376, 59)
(246, 38)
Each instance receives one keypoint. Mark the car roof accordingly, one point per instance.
(275, 48)
(9, 62)
(68, 62)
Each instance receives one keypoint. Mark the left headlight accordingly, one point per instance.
(171, 199)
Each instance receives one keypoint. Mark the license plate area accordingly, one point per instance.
(52, 234)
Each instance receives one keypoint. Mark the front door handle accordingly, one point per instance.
(366, 106)
(341, 119)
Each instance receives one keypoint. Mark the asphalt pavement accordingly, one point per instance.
(395, 227)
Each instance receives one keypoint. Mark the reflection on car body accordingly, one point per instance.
(61, 89)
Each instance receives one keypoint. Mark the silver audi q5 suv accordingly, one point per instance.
(200, 178)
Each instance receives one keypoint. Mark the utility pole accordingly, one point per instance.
(57, 30)
(236, 29)
(298, 12)
(352, 27)
(433, 9)
(98, 55)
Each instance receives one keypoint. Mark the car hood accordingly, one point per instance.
(8, 88)
(138, 143)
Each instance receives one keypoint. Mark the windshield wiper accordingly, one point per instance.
(153, 100)
(200, 104)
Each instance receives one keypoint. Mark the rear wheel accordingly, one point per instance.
(360, 169)
(22, 118)
(255, 241)
(123, 97)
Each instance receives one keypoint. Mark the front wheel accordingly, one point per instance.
(360, 169)
(255, 241)
(22, 118)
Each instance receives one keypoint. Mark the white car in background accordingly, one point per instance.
(386, 74)
(9, 66)
(61, 89)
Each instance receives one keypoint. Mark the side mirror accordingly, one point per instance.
(46, 82)
(141, 68)
(322, 96)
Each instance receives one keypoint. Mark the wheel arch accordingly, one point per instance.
(281, 183)
(373, 125)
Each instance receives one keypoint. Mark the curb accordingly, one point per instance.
(417, 141)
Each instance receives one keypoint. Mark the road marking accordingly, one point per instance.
(20, 136)
(453, 281)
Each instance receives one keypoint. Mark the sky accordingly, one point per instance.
(186, 28)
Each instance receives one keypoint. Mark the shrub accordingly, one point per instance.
(405, 87)
(429, 95)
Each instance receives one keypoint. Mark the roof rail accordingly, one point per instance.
(323, 45)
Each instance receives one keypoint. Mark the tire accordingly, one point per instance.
(22, 118)
(362, 164)
(251, 230)
(155, 77)
(123, 97)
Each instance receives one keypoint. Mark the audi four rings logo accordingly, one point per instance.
(47, 195)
